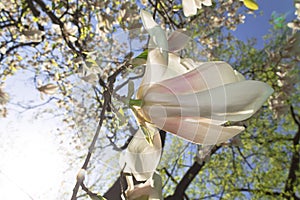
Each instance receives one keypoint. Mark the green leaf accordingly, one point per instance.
(251, 4)
(143, 55)
(140, 59)
(135, 102)
(177, 7)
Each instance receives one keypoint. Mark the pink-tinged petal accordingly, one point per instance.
(177, 40)
(232, 102)
(206, 76)
(189, 63)
(197, 132)
(205, 120)
(141, 158)
(189, 8)
(157, 70)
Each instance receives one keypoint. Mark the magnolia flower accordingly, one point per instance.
(33, 35)
(189, 99)
(194, 100)
(70, 30)
(140, 157)
(190, 6)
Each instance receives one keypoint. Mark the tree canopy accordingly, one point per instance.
(88, 58)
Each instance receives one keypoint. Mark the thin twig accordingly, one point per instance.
(92, 146)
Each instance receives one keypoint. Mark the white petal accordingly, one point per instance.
(157, 34)
(206, 76)
(198, 132)
(198, 4)
(141, 158)
(207, 2)
(232, 102)
(177, 40)
(189, 63)
(157, 70)
(147, 19)
(189, 8)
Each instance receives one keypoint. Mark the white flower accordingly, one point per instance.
(191, 100)
(33, 35)
(71, 31)
(140, 157)
(194, 104)
(190, 6)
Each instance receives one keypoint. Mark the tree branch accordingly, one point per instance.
(56, 20)
(92, 146)
(265, 192)
(188, 178)
(292, 179)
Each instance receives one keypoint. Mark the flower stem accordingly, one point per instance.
(135, 102)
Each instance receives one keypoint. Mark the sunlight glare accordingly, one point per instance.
(30, 166)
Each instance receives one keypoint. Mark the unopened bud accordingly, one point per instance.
(81, 175)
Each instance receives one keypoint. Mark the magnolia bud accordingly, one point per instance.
(81, 175)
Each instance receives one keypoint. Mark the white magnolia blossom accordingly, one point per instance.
(189, 99)
(190, 6)
(194, 100)
(70, 31)
(140, 157)
(32, 35)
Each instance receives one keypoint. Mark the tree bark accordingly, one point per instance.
(188, 177)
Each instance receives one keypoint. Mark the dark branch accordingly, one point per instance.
(189, 177)
(92, 146)
(265, 192)
(292, 179)
(57, 21)
(17, 46)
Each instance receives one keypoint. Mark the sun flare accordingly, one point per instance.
(30, 166)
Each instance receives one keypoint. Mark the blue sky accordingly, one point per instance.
(258, 26)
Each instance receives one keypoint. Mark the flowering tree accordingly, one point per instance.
(194, 135)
